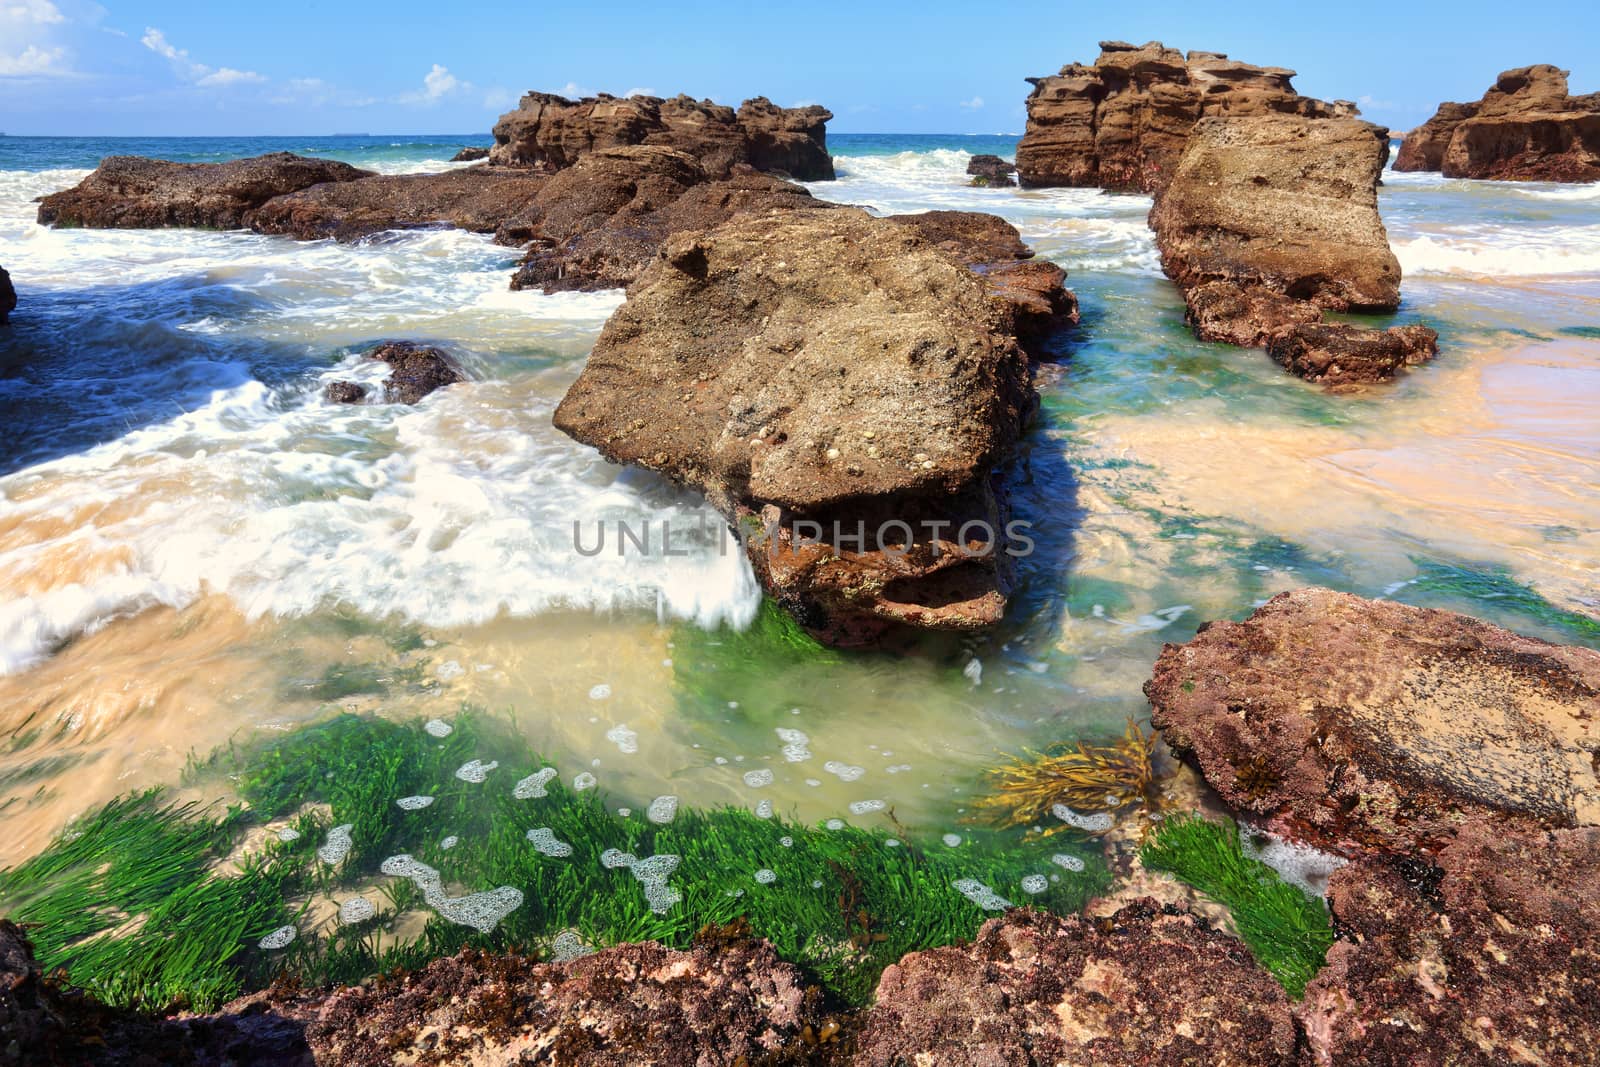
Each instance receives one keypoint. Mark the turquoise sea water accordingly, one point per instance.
(196, 550)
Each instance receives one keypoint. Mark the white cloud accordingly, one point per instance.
(572, 90)
(38, 12)
(198, 73)
(437, 84)
(640, 92)
(33, 62)
(972, 105)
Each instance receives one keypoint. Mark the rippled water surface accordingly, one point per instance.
(196, 549)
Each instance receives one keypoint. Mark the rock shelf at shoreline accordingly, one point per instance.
(1526, 128)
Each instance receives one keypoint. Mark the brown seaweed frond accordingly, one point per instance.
(1087, 778)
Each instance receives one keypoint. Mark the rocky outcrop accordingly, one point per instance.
(1122, 122)
(1526, 128)
(1145, 986)
(1267, 222)
(549, 133)
(817, 374)
(479, 199)
(8, 297)
(417, 370)
(987, 170)
(1489, 952)
(131, 192)
(470, 155)
(1359, 724)
(344, 392)
(598, 223)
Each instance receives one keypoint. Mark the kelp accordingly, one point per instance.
(1086, 778)
(146, 902)
(1288, 932)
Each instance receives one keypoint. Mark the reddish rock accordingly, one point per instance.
(1143, 987)
(600, 222)
(1489, 953)
(550, 132)
(1526, 128)
(1356, 723)
(1268, 221)
(479, 199)
(131, 192)
(8, 297)
(418, 370)
(825, 367)
(991, 170)
(1122, 122)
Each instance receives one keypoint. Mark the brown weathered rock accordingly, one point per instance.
(418, 370)
(479, 199)
(1145, 986)
(991, 170)
(550, 132)
(131, 192)
(824, 367)
(1488, 954)
(470, 155)
(1356, 723)
(1122, 122)
(1526, 128)
(343, 392)
(597, 224)
(1270, 220)
(8, 297)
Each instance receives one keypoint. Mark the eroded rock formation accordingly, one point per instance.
(1144, 986)
(988, 170)
(1122, 122)
(1488, 952)
(826, 367)
(1526, 128)
(1270, 220)
(417, 370)
(472, 198)
(549, 132)
(8, 297)
(470, 154)
(1360, 724)
(131, 192)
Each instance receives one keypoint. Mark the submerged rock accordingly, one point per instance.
(344, 392)
(1270, 220)
(550, 132)
(1143, 986)
(472, 198)
(1487, 953)
(1526, 128)
(1355, 723)
(131, 192)
(470, 155)
(8, 297)
(825, 367)
(600, 222)
(1122, 122)
(991, 170)
(418, 371)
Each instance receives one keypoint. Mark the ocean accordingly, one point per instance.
(197, 550)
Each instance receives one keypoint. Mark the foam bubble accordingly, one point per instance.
(600, 692)
(795, 744)
(952, 840)
(1298, 864)
(583, 780)
(662, 810)
(1035, 883)
(981, 895)
(1097, 823)
(475, 771)
(786, 841)
(626, 740)
(481, 911)
(438, 728)
(834, 824)
(766, 876)
(449, 669)
(413, 803)
(567, 946)
(614, 858)
(544, 841)
(764, 809)
(863, 807)
(282, 937)
(338, 846)
(356, 910)
(759, 778)
(844, 771)
(1067, 861)
(288, 834)
(450, 842)
(534, 785)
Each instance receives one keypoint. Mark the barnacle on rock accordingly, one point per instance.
(1087, 778)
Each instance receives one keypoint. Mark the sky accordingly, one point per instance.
(299, 67)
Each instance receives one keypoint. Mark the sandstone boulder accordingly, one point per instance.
(549, 132)
(1487, 953)
(470, 155)
(1360, 724)
(8, 297)
(991, 170)
(1526, 128)
(479, 199)
(131, 192)
(1144, 986)
(1122, 122)
(1266, 222)
(344, 392)
(417, 371)
(825, 367)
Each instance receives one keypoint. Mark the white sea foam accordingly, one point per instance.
(481, 911)
(534, 785)
(544, 840)
(338, 845)
(981, 895)
(356, 910)
(1296, 863)
(1501, 252)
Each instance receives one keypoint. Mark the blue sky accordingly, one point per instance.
(401, 66)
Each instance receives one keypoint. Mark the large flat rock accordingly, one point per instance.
(473, 198)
